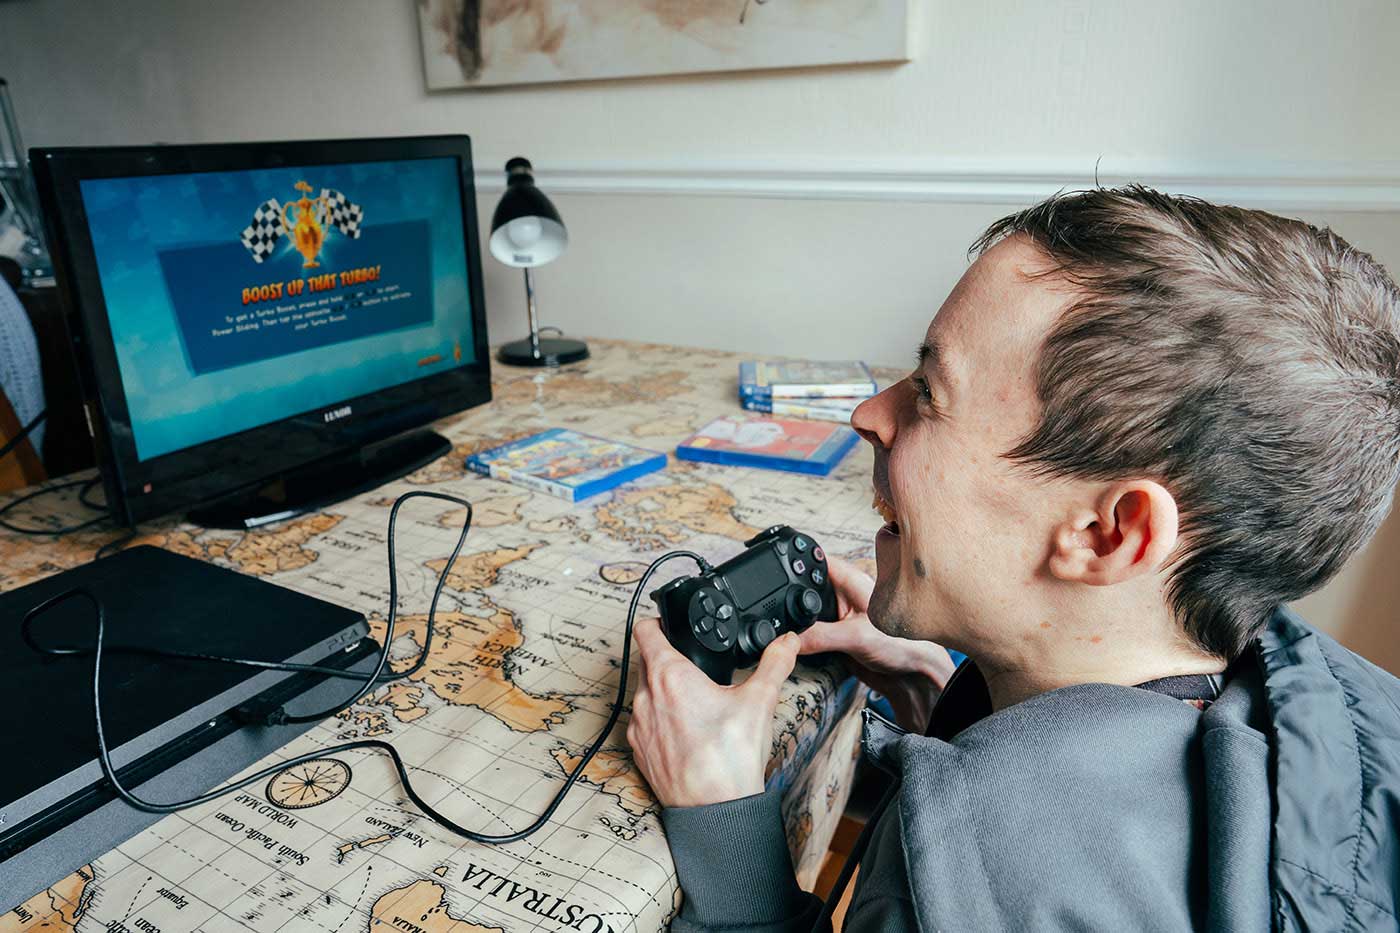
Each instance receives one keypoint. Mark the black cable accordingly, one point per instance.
(86, 485)
(14, 442)
(83, 493)
(280, 715)
(115, 545)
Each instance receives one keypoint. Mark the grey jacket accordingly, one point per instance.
(1104, 807)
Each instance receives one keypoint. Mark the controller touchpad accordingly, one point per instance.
(761, 574)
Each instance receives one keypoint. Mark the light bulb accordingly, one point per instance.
(524, 231)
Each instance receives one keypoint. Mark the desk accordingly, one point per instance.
(521, 679)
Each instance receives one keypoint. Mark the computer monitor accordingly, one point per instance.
(265, 328)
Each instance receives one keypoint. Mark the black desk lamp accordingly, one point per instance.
(526, 232)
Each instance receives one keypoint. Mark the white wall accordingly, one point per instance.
(815, 212)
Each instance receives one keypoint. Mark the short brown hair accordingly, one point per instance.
(1249, 362)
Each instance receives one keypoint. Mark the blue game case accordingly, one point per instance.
(773, 379)
(566, 464)
(810, 447)
(816, 409)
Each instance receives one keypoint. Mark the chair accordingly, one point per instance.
(21, 392)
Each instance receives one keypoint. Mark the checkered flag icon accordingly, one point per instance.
(261, 236)
(344, 213)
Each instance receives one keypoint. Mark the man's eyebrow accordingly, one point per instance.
(931, 355)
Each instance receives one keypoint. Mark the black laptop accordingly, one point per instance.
(170, 723)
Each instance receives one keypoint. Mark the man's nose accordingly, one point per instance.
(875, 419)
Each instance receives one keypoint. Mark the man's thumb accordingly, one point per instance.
(777, 662)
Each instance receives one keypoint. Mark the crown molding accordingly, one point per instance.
(1342, 188)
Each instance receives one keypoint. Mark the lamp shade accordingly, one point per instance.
(525, 229)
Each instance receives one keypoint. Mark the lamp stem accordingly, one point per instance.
(530, 306)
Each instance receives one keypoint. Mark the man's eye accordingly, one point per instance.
(922, 388)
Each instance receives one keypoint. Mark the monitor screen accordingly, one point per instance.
(240, 298)
(267, 324)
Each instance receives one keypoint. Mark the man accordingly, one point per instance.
(1138, 426)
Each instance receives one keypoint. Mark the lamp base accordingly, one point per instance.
(554, 351)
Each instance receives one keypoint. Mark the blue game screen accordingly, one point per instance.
(241, 298)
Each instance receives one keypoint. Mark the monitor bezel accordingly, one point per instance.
(138, 490)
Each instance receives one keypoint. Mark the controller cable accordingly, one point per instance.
(84, 486)
(378, 676)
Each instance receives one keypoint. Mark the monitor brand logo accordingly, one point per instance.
(335, 414)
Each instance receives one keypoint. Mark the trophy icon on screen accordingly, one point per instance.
(306, 219)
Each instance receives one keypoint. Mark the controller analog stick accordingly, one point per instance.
(804, 604)
(758, 636)
(763, 633)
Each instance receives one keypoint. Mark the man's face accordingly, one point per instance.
(969, 531)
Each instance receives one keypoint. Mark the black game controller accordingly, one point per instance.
(723, 619)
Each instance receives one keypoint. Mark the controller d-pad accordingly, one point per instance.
(725, 611)
(722, 632)
(704, 624)
(707, 604)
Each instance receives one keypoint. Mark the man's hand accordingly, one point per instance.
(907, 671)
(695, 741)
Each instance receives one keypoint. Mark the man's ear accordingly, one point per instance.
(1131, 530)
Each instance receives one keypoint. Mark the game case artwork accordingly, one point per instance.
(566, 463)
(774, 379)
(772, 443)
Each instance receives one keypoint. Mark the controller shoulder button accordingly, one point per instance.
(768, 532)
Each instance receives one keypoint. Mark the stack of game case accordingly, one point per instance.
(819, 390)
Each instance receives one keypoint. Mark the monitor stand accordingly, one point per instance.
(324, 482)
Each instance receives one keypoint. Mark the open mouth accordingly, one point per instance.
(887, 512)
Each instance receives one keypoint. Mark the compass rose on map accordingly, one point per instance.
(308, 784)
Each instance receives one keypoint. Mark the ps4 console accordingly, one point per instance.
(175, 727)
(723, 619)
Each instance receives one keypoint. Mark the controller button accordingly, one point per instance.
(763, 633)
(817, 576)
(811, 602)
(725, 611)
(782, 547)
(707, 604)
(818, 553)
(800, 543)
(799, 567)
(704, 624)
(722, 633)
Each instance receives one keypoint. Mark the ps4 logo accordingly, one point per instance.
(335, 414)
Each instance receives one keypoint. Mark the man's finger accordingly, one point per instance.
(853, 586)
(821, 637)
(777, 663)
(651, 641)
